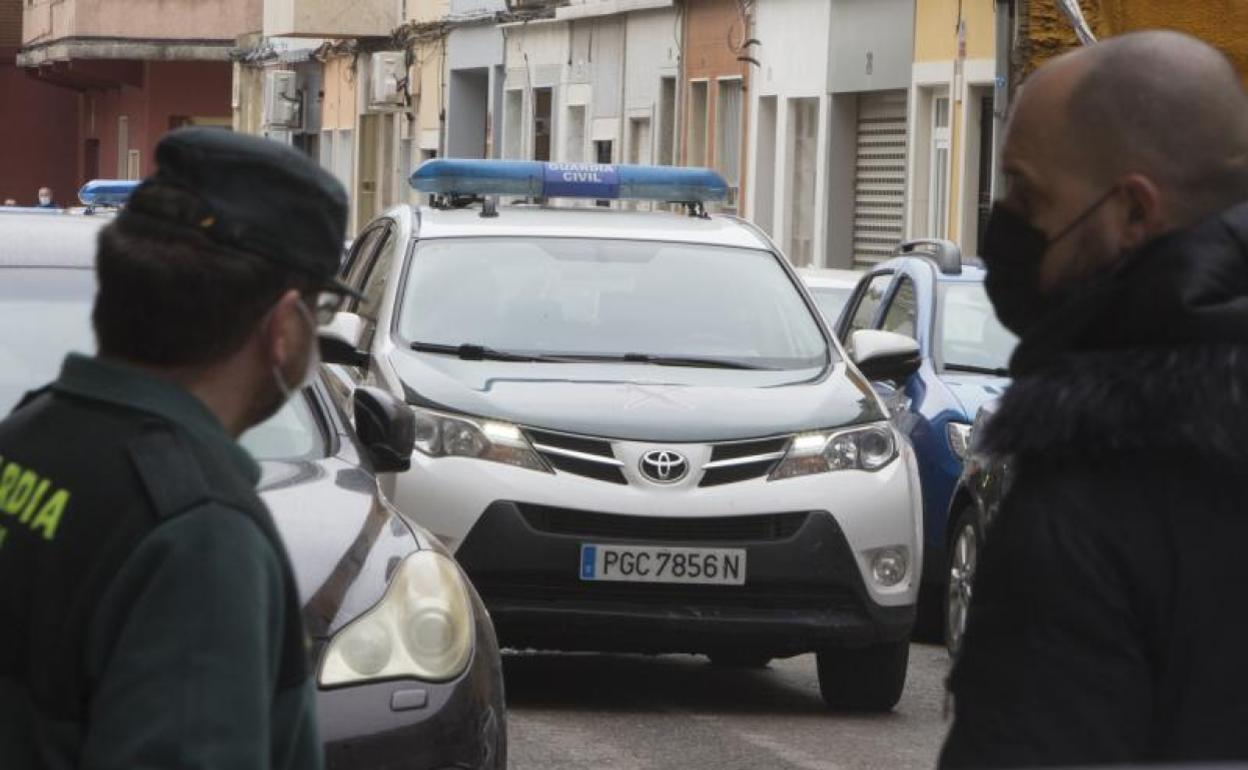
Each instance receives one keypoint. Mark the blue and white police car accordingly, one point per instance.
(633, 427)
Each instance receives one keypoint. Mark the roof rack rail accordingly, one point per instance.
(945, 253)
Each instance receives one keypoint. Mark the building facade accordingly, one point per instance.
(716, 75)
(593, 82)
(790, 126)
(952, 127)
(40, 127)
(137, 69)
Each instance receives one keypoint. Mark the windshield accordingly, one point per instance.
(568, 297)
(52, 307)
(831, 301)
(971, 337)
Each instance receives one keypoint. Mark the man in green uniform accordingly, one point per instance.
(148, 613)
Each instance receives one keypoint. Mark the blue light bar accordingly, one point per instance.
(537, 179)
(106, 192)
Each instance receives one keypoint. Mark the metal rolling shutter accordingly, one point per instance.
(880, 176)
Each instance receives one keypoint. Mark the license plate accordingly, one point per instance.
(661, 564)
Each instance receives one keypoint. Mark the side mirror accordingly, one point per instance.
(884, 355)
(341, 338)
(386, 427)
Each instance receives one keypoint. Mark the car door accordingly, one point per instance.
(356, 270)
(899, 313)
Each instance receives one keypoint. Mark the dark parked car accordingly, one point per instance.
(976, 500)
(408, 666)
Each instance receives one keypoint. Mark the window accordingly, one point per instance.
(902, 314)
(639, 140)
(134, 166)
(378, 275)
(344, 157)
(728, 135)
(361, 256)
(123, 146)
(940, 168)
(868, 303)
(513, 125)
(543, 99)
(291, 434)
(667, 122)
(695, 144)
(574, 137)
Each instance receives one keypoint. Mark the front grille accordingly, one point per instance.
(539, 588)
(742, 461)
(577, 455)
(588, 524)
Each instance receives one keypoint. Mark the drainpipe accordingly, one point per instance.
(1001, 90)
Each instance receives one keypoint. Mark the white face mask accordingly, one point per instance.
(45, 200)
(314, 360)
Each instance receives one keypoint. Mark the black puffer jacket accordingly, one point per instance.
(1110, 616)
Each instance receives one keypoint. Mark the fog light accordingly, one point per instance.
(889, 565)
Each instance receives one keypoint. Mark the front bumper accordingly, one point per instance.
(804, 587)
(416, 725)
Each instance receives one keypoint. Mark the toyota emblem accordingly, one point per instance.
(663, 466)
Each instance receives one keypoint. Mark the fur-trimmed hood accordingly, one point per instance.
(1152, 358)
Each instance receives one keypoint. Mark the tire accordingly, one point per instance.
(739, 660)
(960, 566)
(865, 679)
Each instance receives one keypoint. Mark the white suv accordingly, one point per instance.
(633, 428)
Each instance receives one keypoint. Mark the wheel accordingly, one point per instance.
(865, 679)
(962, 560)
(742, 659)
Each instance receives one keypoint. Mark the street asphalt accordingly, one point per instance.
(627, 712)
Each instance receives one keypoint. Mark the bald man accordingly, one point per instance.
(1108, 623)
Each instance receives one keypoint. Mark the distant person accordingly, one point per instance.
(10, 202)
(1108, 621)
(148, 612)
(45, 198)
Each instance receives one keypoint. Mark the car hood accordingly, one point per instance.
(974, 390)
(641, 402)
(343, 542)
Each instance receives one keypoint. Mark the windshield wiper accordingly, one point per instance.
(999, 371)
(660, 360)
(470, 352)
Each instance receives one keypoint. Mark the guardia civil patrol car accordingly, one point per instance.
(633, 427)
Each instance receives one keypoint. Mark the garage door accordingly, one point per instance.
(880, 176)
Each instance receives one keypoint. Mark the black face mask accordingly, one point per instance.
(1013, 249)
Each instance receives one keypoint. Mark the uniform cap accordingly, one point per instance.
(252, 195)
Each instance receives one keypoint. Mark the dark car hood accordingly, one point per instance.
(640, 402)
(342, 541)
(974, 390)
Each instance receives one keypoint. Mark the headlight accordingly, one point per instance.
(959, 439)
(444, 435)
(421, 628)
(867, 448)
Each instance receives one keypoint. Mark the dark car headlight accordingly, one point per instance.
(422, 628)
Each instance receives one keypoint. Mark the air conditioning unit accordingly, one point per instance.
(387, 75)
(281, 99)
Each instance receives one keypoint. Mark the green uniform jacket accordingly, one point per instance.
(148, 613)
